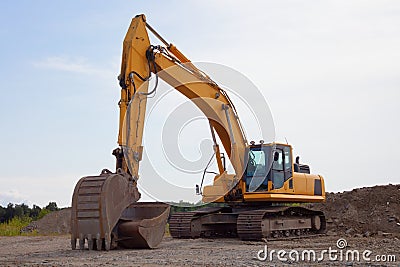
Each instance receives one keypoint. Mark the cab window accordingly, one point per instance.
(278, 160)
(256, 163)
(288, 159)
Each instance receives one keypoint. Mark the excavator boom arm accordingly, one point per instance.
(168, 63)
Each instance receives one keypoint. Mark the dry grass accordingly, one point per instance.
(13, 227)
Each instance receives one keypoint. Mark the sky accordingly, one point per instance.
(329, 71)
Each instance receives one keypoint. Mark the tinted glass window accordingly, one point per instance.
(288, 162)
(278, 164)
(256, 163)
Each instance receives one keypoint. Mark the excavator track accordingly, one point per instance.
(249, 225)
(180, 224)
(205, 222)
(280, 223)
(277, 223)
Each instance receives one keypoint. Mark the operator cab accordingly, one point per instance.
(268, 164)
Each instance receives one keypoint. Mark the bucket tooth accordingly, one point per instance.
(99, 242)
(82, 243)
(107, 244)
(73, 243)
(90, 242)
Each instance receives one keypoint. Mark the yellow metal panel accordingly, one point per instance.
(261, 196)
(299, 183)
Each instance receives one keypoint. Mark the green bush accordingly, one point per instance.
(14, 226)
(43, 213)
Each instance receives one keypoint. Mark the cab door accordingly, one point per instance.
(287, 159)
(288, 166)
(281, 167)
(278, 171)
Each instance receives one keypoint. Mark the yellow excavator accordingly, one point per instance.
(260, 197)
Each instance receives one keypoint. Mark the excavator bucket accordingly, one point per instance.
(142, 225)
(103, 204)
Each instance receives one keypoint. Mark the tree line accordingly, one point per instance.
(183, 206)
(24, 211)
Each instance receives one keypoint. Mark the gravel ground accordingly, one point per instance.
(368, 218)
(55, 251)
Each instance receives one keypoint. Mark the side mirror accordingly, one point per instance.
(276, 156)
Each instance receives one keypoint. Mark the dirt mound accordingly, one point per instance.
(363, 211)
(57, 222)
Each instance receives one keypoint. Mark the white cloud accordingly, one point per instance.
(68, 64)
(12, 196)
